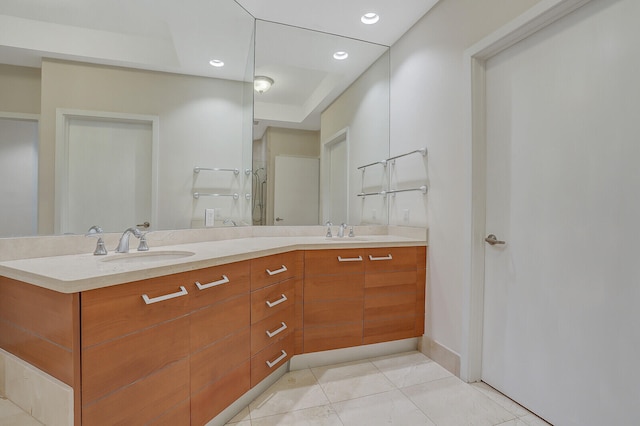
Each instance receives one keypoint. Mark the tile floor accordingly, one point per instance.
(405, 389)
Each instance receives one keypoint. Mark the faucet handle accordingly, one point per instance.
(143, 246)
(328, 224)
(351, 234)
(96, 231)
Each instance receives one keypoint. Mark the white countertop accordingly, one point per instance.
(82, 272)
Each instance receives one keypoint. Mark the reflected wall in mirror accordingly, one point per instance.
(335, 111)
(99, 61)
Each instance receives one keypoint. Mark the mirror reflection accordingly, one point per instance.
(109, 123)
(326, 110)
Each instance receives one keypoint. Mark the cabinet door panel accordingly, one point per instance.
(401, 258)
(389, 279)
(217, 321)
(143, 400)
(331, 287)
(115, 311)
(216, 360)
(213, 399)
(331, 262)
(120, 362)
(179, 415)
(389, 305)
(389, 329)
(332, 337)
(279, 296)
(237, 274)
(333, 312)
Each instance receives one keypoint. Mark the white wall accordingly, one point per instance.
(364, 109)
(427, 109)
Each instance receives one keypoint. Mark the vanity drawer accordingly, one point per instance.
(275, 268)
(270, 359)
(212, 285)
(272, 329)
(330, 262)
(272, 299)
(110, 312)
(391, 259)
(388, 329)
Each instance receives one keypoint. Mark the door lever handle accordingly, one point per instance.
(493, 240)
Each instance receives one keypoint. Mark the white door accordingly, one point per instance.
(18, 177)
(297, 190)
(109, 174)
(338, 189)
(561, 314)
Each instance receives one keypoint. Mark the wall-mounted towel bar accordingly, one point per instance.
(217, 169)
(422, 151)
(235, 195)
(422, 189)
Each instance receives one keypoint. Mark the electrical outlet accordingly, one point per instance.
(209, 217)
(405, 216)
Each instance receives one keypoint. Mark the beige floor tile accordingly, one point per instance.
(12, 415)
(350, 380)
(514, 422)
(505, 402)
(410, 369)
(314, 416)
(295, 390)
(383, 409)
(533, 420)
(241, 417)
(453, 402)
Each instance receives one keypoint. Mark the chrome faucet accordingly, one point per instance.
(343, 226)
(328, 224)
(123, 244)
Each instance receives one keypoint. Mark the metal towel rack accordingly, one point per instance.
(422, 151)
(235, 195)
(422, 189)
(217, 169)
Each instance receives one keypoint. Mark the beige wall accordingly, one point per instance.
(20, 89)
(201, 124)
(428, 109)
(290, 142)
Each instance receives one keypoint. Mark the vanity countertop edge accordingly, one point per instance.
(82, 272)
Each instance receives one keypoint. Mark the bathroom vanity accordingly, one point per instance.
(177, 339)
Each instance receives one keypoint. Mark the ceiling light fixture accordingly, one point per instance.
(216, 63)
(261, 83)
(340, 55)
(370, 18)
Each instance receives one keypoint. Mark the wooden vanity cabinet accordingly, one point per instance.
(134, 350)
(274, 280)
(220, 338)
(333, 299)
(183, 354)
(394, 293)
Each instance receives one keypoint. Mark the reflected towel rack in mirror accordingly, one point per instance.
(235, 195)
(422, 151)
(218, 169)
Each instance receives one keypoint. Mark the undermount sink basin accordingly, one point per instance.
(346, 239)
(147, 257)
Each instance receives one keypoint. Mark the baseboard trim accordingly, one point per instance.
(444, 356)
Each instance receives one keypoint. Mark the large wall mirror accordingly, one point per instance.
(148, 130)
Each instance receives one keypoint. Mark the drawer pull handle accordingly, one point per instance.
(387, 257)
(224, 280)
(149, 300)
(277, 271)
(277, 302)
(277, 360)
(278, 331)
(349, 259)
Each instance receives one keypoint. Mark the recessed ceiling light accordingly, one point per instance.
(370, 18)
(216, 63)
(340, 55)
